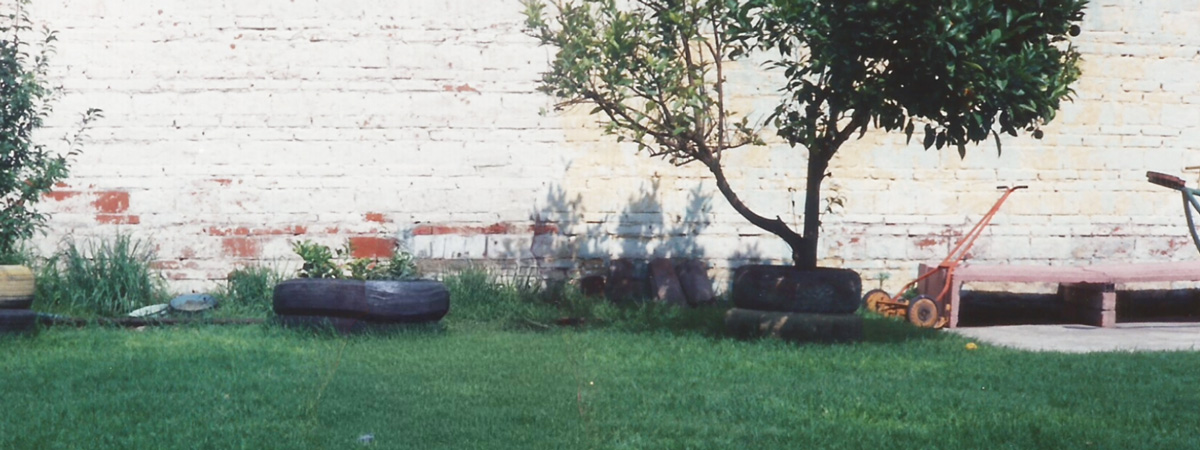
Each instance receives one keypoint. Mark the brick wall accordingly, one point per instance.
(234, 127)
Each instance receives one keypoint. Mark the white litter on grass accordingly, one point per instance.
(150, 311)
(366, 439)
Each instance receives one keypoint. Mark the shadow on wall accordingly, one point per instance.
(585, 244)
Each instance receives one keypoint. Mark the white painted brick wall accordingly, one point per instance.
(235, 127)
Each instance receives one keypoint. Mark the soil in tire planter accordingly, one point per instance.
(17, 321)
(795, 327)
(378, 301)
(790, 289)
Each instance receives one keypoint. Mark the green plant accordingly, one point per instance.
(28, 170)
(320, 261)
(105, 277)
(249, 290)
(655, 71)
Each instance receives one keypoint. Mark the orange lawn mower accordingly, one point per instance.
(912, 302)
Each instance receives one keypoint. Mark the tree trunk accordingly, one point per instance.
(805, 254)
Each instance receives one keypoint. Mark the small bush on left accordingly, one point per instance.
(248, 291)
(100, 277)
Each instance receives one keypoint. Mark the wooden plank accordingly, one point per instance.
(1109, 273)
(1030, 274)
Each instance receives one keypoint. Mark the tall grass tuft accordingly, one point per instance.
(480, 297)
(105, 277)
(20, 255)
(248, 291)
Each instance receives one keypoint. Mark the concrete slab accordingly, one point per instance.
(1134, 336)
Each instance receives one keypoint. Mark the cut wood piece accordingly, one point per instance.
(665, 283)
(592, 286)
(623, 285)
(693, 278)
(16, 287)
(746, 323)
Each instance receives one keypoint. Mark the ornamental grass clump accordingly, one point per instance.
(102, 277)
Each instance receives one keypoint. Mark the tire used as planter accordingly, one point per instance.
(16, 287)
(828, 328)
(789, 289)
(341, 325)
(13, 321)
(379, 301)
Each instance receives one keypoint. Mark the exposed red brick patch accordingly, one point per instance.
(61, 185)
(496, 228)
(59, 196)
(240, 247)
(165, 265)
(372, 247)
(117, 219)
(927, 242)
(111, 202)
(855, 240)
(222, 181)
(544, 229)
(332, 230)
(376, 217)
(463, 88)
(239, 231)
(294, 230)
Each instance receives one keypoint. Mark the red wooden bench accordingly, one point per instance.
(1089, 292)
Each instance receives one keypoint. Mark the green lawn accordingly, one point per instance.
(469, 385)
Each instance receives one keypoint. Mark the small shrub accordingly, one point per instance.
(249, 291)
(28, 170)
(320, 261)
(108, 277)
(478, 296)
(527, 302)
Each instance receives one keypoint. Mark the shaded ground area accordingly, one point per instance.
(1147, 320)
(980, 309)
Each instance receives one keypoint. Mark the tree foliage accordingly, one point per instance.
(28, 170)
(961, 71)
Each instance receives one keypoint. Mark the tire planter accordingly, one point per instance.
(793, 290)
(375, 301)
(16, 287)
(341, 325)
(15, 321)
(795, 327)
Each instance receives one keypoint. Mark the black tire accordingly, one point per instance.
(377, 301)
(16, 321)
(789, 289)
(795, 327)
(341, 325)
(924, 312)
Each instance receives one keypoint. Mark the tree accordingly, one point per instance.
(28, 170)
(962, 70)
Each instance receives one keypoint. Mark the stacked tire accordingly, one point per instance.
(16, 296)
(802, 305)
(353, 306)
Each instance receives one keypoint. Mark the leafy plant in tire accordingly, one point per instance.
(28, 170)
(954, 72)
(321, 261)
